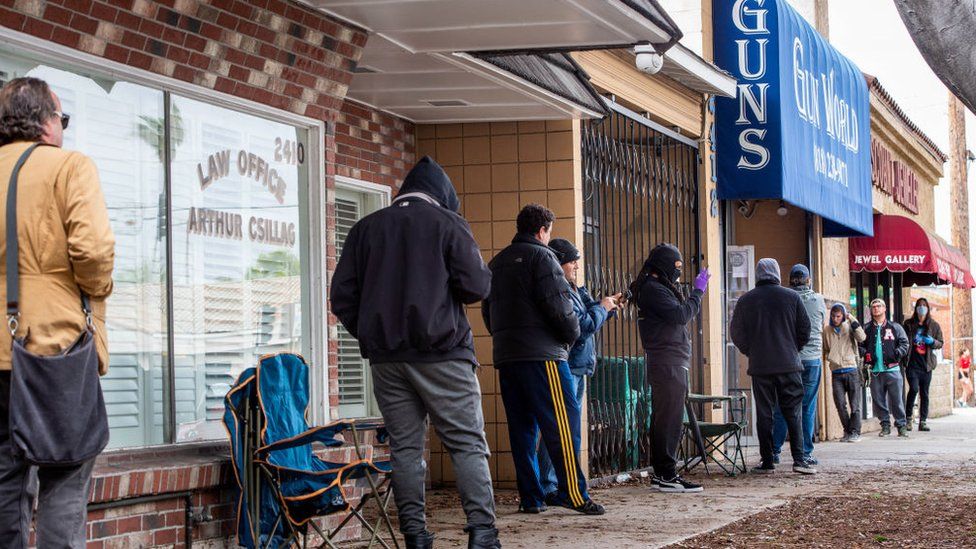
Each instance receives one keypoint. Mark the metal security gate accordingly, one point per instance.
(640, 187)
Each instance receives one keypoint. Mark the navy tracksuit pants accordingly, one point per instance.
(538, 396)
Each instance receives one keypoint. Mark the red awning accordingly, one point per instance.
(901, 245)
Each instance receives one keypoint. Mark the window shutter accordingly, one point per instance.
(353, 390)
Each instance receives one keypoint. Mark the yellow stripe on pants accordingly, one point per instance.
(565, 435)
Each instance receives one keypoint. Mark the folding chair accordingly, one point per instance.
(283, 484)
(720, 443)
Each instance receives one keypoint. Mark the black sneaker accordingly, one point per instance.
(775, 459)
(676, 485)
(764, 469)
(811, 460)
(923, 427)
(588, 508)
(804, 467)
(552, 499)
(885, 431)
(908, 424)
(533, 510)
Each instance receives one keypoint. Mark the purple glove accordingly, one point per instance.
(701, 281)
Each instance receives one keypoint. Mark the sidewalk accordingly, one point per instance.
(639, 517)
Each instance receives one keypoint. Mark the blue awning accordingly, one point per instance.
(799, 127)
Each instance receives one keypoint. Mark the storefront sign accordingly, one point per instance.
(221, 224)
(799, 127)
(893, 177)
(248, 164)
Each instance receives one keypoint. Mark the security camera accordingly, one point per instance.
(649, 61)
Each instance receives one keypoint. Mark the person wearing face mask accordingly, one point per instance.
(840, 342)
(926, 336)
(664, 314)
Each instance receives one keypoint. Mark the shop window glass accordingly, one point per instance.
(118, 125)
(237, 253)
(237, 187)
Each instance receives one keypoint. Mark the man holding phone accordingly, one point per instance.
(582, 356)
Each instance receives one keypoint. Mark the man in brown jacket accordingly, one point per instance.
(66, 246)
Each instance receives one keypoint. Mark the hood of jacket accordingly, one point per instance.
(662, 259)
(767, 270)
(429, 178)
(843, 311)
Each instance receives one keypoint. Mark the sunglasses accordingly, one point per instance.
(65, 118)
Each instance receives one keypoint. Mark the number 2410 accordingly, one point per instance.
(289, 152)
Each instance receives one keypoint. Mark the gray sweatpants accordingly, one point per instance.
(61, 494)
(449, 394)
(888, 397)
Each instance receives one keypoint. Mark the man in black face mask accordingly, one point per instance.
(663, 322)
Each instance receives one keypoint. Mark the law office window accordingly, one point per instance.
(354, 200)
(200, 296)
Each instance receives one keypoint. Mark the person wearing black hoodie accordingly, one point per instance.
(400, 287)
(663, 317)
(770, 325)
(529, 314)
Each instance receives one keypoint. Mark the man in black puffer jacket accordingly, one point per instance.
(770, 325)
(530, 316)
(405, 274)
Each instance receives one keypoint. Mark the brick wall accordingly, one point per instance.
(497, 168)
(269, 51)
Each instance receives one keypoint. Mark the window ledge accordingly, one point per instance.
(127, 474)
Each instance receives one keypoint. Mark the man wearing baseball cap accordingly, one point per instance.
(885, 347)
(582, 355)
(811, 357)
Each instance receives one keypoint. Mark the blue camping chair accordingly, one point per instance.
(283, 484)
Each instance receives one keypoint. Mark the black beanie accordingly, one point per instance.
(564, 249)
(662, 259)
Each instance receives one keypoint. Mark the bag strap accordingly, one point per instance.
(13, 250)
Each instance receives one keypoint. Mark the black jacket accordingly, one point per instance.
(770, 326)
(894, 344)
(529, 311)
(663, 322)
(406, 272)
(930, 328)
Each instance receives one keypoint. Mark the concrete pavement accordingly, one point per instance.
(639, 517)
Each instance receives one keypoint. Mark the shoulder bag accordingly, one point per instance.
(57, 411)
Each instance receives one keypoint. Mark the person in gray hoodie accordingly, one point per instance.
(770, 325)
(811, 356)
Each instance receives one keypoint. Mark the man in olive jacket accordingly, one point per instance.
(530, 316)
(66, 247)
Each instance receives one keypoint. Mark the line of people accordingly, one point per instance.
(408, 270)
(785, 333)
(400, 287)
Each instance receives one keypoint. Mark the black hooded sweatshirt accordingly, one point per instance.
(406, 273)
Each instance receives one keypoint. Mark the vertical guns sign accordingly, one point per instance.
(799, 126)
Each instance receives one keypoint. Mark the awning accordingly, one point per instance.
(799, 127)
(901, 245)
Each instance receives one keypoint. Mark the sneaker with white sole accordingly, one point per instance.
(764, 469)
(676, 485)
(854, 438)
(804, 468)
